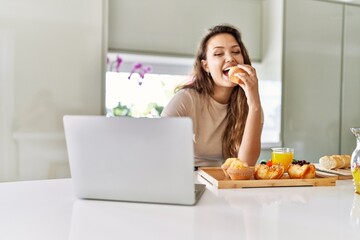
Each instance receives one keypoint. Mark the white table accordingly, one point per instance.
(47, 209)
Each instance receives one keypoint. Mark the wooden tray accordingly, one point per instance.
(216, 177)
(341, 174)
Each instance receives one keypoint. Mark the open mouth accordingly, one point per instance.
(226, 72)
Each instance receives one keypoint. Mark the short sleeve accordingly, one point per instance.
(179, 106)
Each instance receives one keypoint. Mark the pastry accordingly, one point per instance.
(335, 161)
(227, 164)
(268, 170)
(233, 78)
(239, 170)
(301, 169)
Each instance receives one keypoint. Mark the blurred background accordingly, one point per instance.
(75, 57)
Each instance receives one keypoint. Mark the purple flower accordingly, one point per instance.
(147, 69)
(141, 70)
(118, 63)
(138, 68)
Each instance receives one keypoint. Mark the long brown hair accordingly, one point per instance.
(204, 84)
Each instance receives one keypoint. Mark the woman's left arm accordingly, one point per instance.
(250, 146)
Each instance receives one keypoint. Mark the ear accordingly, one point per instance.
(205, 66)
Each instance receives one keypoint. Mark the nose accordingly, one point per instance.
(229, 58)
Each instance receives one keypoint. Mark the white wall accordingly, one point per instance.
(7, 75)
(52, 63)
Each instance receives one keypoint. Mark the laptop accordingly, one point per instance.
(132, 159)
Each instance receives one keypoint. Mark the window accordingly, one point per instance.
(145, 97)
(126, 97)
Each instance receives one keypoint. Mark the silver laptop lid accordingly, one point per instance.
(131, 159)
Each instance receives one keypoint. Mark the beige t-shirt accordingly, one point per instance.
(208, 122)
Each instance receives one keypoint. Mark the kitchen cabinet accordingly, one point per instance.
(350, 114)
(321, 77)
(146, 27)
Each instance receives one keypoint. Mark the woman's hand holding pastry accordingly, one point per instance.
(247, 79)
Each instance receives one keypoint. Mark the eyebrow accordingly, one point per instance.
(221, 47)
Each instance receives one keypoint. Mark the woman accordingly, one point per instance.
(227, 117)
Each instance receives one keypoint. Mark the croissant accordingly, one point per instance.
(263, 171)
(306, 170)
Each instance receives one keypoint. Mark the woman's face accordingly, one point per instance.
(223, 52)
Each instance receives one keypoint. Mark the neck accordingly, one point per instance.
(222, 94)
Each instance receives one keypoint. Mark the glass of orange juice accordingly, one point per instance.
(284, 156)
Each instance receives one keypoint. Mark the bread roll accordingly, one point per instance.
(328, 162)
(335, 161)
(233, 78)
(345, 160)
